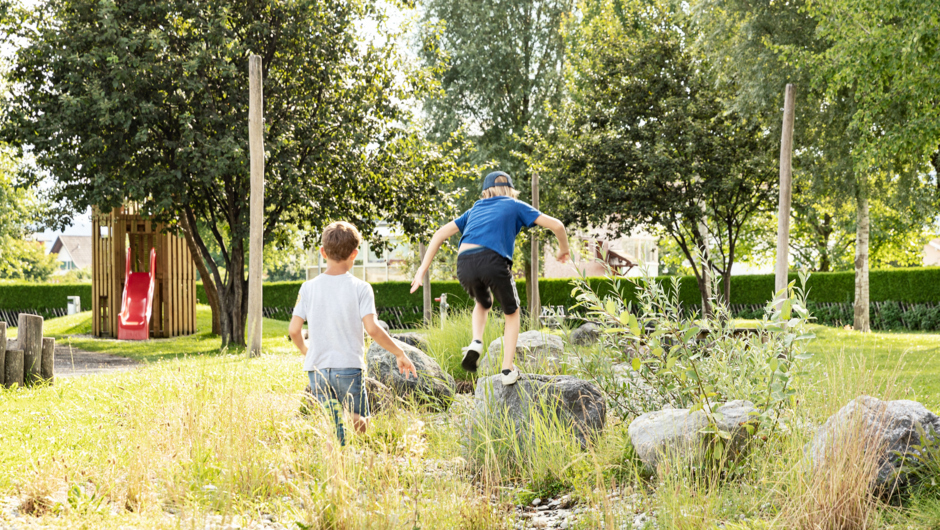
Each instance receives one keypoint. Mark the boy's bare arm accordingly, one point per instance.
(556, 226)
(379, 335)
(295, 331)
(437, 240)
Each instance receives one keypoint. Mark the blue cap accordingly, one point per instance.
(490, 180)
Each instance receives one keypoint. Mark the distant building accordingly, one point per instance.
(373, 265)
(593, 251)
(74, 252)
(932, 253)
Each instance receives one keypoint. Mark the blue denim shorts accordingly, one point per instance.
(343, 385)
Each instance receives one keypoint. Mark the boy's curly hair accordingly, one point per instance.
(340, 239)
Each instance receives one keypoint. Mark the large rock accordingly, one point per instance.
(413, 339)
(384, 325)
(380, 396)
(890, 429)
(674, 433)
(535, 352)
(576, 402)
(585, 335)
(433, 386)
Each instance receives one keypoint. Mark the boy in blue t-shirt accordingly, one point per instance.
(484, 261)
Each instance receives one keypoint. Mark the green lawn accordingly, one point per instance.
(74, 330)
(918, 354)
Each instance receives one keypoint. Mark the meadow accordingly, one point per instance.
(202, 438)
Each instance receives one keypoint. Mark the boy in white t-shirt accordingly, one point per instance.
(337, 306)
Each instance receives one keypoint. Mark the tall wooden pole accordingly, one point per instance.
(426, 291)
(535, 305)
(786, 190)
(255, 244)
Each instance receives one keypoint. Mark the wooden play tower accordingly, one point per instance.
(174, 298)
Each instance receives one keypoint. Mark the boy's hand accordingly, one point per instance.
(405, 366)
(562, 255)
(418, 281)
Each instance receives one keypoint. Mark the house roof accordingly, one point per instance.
(77, 247)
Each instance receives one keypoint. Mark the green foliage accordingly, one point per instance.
(676, 358)
(25, 260)
(499, 67)
(647, 141)
(147, 102)
(23, 295)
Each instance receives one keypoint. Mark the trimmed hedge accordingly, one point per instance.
(912, 285)
(39, 296)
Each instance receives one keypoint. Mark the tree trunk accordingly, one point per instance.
(208, 285)
(861, 261)
(704, 281)
(824, 232)
(233, 299)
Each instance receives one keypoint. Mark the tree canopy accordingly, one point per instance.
(147, 102)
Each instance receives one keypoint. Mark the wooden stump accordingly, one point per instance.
(30, 339)
(3, 350)
(13, 369)
(48, 359)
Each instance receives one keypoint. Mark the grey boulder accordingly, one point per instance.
(383, 324)
(675, 433)
(535, 352)
(889, 427)
(577, 403)
(433, 386)
(413, 339)
(585, 335)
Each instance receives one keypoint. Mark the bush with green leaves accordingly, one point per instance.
(653, 354)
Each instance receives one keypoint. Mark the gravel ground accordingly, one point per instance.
(71, 362)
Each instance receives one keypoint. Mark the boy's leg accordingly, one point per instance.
(347, 383)
(510, 337)
(479, 320)
(323, 391)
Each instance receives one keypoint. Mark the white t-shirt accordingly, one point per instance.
(334, 307)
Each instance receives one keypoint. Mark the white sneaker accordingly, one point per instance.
(510, 377)
(471, 356)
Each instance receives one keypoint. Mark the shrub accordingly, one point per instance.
(658, 355)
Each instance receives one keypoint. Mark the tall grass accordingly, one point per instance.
(445, 343)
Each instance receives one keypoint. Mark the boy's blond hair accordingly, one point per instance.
(340, 239)
(504, 191)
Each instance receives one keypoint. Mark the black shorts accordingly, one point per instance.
(481, 271)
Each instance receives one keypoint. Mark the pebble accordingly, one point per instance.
(536, 501)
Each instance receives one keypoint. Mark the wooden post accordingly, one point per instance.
(48, 359)
(13, 369)
(426, 281)
(786, 190)
(3, 349)
(535, 304)
(30, 338)
(255, 245)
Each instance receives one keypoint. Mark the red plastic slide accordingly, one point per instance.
(136, 305)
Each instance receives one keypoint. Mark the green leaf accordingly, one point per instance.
(634, 325)
(636, 363)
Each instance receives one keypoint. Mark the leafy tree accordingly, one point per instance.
(26, 260)
(755, 48)
(647, 142)
(147, 101)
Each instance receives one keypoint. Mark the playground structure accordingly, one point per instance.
(122, 240)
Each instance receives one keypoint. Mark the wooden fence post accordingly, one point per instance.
(30, 338)
(255, 242)
(535, 303)
(13, 369)
(426, 291)
(786, 190)
(48, 359)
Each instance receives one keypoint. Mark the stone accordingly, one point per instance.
(383, 324)
(413, 339)
(585, 335)
(890, 427)
(674, 433)
(574, 401)
(433, 386)
(380, 396)
(535, 352)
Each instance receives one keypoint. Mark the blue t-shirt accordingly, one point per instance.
(494, 223)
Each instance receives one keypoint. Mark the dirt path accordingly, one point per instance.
(71, 362)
